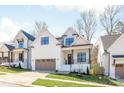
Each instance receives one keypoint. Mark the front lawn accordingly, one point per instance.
(87, 78)
(11, 69)
(53, 83)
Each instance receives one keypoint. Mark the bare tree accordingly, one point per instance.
(109, 18)
(119, 27)
(39, 26)
(86, 25)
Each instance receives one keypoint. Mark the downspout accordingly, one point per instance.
(109, 65)
(89, 56)
(108, 62)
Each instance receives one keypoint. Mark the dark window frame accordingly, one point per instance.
(69, 41)
(44, 40)
(81, 57)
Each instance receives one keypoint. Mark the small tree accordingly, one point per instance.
(96, 69)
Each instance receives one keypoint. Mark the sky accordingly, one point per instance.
(58, 18)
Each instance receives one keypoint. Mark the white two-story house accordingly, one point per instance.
(17, 52)
(70, 52)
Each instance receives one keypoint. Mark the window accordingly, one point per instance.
(81, 57)
(44, 40)
(20, 56)
(69, 41)
(21, 44)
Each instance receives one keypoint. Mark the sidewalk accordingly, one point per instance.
(89, 83)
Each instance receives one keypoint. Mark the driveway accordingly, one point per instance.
(24, 78)
(6, 84)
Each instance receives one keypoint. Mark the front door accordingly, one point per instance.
(69, 58)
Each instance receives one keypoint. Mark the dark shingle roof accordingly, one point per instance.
(10, 47)
(30, 37)
(108, 40)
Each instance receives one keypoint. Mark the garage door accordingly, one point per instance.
(119, 70)
(45, 64)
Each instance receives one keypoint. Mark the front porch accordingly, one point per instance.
(14, 57)
(76, 59)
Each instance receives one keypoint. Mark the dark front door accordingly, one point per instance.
(69, 58)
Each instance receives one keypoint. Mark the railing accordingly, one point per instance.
(75, 61)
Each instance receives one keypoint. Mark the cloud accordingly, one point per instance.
(8, 29)
(97, 8)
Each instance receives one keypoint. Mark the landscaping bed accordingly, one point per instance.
(87, 78)
(12, 69)
(53, 83)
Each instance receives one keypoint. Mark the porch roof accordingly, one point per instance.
(19, 49)
(118, 56)
(84, 46)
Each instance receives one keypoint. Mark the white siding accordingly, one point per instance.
(46, 51)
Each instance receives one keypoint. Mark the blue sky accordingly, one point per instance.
(58, 19)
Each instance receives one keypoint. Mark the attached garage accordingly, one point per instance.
(45, 64)
(119, 70)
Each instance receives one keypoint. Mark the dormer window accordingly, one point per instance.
(21, 43)
(44, 40)
(69, 41)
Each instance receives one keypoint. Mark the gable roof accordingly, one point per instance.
(29, 36)
(70, 29)
(108, 40)
(10, 47)
(81, 41)
(46, 30)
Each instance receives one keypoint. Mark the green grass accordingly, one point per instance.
(53, 83)
(11, 69)
(86, 78)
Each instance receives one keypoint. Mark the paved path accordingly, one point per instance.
(24, 78)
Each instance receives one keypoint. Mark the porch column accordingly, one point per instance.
(89, 56)
(2, 55)
(9, 56)
(72, 60)
(22, 56)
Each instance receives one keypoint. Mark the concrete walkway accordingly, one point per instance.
(78, 82)
(23, 79)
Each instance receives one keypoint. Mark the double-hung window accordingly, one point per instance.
(81, 57)
(44, 40)
(21, 44)
(69, 41)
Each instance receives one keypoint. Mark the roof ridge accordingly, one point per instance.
(29, 36)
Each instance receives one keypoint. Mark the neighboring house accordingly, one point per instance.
(70, 52)
(18, 52)
(111, 55)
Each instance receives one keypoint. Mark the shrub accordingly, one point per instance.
(96, 69)
(19, 66)
(87, 70)
(100, 71)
